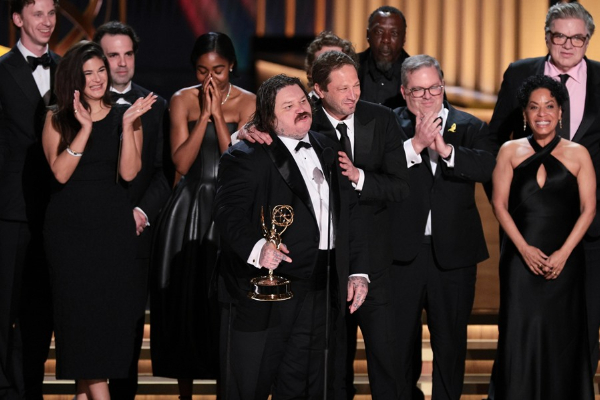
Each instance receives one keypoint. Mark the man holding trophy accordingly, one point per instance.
(273, 339)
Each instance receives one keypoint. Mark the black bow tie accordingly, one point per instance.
(129, 97)
(44, 61)
(302, 144)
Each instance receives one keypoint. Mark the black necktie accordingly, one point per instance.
(345, 140)
(44, 61)
(302, 144)
(565, 132)
(129, 97)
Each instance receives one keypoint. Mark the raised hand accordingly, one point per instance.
(427, 128)
(138, 108)
(205, 98)
(81, 113)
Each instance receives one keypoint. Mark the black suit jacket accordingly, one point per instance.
(379, 152)
(457, 233)
(508, 116)
(150, 189)
(25, 176)
(252, 176)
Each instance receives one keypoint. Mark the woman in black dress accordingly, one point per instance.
(90, 232)
(545, 199)
(184, 325)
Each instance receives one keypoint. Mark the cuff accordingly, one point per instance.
(142, 211)
(450, 159)
(412, 158)
(254, 257)
(366, 276)
(361, 180)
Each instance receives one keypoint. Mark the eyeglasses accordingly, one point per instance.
(560, 39)
(419, 92)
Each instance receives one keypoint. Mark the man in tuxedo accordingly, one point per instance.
(26, 82)
(279, 345)
(150, 189)
(380, 64)
(437, 232)
(373, 161)
(569, 28)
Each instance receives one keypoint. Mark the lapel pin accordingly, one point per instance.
(452, 128)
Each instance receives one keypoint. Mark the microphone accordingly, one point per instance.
(328, 159)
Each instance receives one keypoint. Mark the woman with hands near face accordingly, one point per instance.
(184, 344)
(544, 197)
(89, 232)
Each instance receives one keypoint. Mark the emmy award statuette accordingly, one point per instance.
(273, 287)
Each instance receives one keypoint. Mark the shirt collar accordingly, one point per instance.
(578, 73)
(25, 51)
(291, 143)
(127, 89)
(349, 120)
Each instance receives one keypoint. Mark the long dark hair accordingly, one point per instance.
(264, 116)
(218, 42)
(69, 77)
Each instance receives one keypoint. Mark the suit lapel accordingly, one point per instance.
(321, 123)
(591, 102)
(289, 171)
(21, 73)
(364, 126)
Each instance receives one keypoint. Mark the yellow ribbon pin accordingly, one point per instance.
(452, 128)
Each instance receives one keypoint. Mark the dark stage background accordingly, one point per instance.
(168, 29)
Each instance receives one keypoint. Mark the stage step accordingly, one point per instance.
(481, 350)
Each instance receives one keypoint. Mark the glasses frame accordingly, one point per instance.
(553, 36)
(411, 91)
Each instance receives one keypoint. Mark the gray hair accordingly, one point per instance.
(411, 64)
(570, 10)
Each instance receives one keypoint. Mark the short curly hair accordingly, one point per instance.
(557, 89)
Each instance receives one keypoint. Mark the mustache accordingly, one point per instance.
(302, 115)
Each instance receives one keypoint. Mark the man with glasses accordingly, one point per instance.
(568, 29)
(437, 232)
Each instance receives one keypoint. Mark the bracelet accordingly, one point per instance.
(73, 153)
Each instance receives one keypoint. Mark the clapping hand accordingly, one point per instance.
(139, 108)
(81, 113)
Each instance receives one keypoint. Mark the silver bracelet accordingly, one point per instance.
(73, 153)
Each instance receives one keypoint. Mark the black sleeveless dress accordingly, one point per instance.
(90, 241)
(542, 348)
(183, 307)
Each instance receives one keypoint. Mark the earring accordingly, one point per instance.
(230, 69)
(524, 125)
(560, 123)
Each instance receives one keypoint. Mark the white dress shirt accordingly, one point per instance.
(41, 75)
(412, 158)
(349, 122)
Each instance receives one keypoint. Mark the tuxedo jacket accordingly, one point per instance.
(253, 177)
(150, 189)
(508, 116)
(379, 152)
(457, 233)
(25, 176)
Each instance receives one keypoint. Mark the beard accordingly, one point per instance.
(383, 66)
